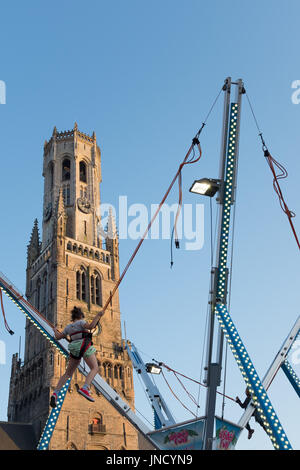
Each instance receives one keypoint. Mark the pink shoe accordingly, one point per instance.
(86, 393)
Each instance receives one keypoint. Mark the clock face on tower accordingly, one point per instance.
(84, 205)
(47, 212)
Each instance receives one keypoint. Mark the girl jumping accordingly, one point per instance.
(80, 346)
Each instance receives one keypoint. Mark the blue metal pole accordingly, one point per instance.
(253, 382)
(52, 419)
(292, 376)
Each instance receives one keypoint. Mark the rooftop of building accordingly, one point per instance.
(17, 436)
(67, 135)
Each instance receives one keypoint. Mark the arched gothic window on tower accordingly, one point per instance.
(96, 425)
(107, 369)
(118, 372)
(83, 192)
(51, 172)
(38, 294)
(66, 169)
(66, 195)
(96, 290)
(81, 285)
(82, 172)
(45, 284)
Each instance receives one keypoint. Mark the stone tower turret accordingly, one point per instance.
(112, 245)
(33, 248)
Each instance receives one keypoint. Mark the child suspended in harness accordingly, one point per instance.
(80, 346)
(255, 413)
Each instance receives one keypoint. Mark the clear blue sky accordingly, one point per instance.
(143, 76)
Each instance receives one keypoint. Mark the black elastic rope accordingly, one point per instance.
(209, 112)
(253, 114)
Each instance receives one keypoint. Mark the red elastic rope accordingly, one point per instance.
(152, 220)
(271, 162)
(193, 380)
(3, 313)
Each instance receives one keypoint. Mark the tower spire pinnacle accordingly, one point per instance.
(60, 216)
(112, 244)
(60, 208)
(33, 248)
(111, 225)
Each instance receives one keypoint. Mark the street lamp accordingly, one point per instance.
(153, 368)
(205, 187)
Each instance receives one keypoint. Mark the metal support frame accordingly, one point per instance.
(289, 371)
(162, 414)
(213, 369)
(227, 328)
(259, 395)
(62, 346)
(291, 376)
(227, 176)
(277, 363)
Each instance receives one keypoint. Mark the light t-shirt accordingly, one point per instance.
(77, 326)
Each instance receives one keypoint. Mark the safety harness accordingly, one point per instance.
(86, 343)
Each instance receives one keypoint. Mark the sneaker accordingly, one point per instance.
(250, 433)
(53, 400)
(86, 393)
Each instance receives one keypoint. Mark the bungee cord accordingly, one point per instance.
(187, 160)
(195, 142)
(193, 159)
(275, 166)
(162, 364)
(187, 392)
(178, 399)
(4, 317)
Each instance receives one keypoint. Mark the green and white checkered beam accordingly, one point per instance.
(52, 419)
(17, 298)
(228, 193)
(253, 382)
(292, 376)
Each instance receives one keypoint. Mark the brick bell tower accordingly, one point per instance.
(71, 267)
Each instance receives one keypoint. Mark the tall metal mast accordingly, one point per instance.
(218, 300)
(228, 170)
